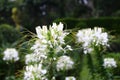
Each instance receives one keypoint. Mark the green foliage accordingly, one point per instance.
(8, 34)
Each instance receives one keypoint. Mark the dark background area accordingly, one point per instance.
(31, 13)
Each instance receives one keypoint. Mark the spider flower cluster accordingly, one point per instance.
(49, 42)
(35, 72)
(109, 63)
(64, 62)
(10, 54)
(89, 37)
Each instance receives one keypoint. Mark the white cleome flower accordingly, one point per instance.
(35, 58)
(88, 37)
(109, 63)
(39, 52)
(70, 78)
(35, 72)
(39, 46)
(100, 37)
(69, 47)
(57, 33)
(64, 63)
(11, 54)
(41, 32)
(50, 38)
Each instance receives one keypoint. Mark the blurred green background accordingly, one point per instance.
(31, 13)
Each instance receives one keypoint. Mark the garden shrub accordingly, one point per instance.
(8, 34)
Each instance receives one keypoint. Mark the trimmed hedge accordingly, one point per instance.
(111, 24)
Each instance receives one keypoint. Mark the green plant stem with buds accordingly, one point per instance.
(97, 62)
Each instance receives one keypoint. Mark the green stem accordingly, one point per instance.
(11, 69)
(109, 74)
(50, 70)
(85, 72)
